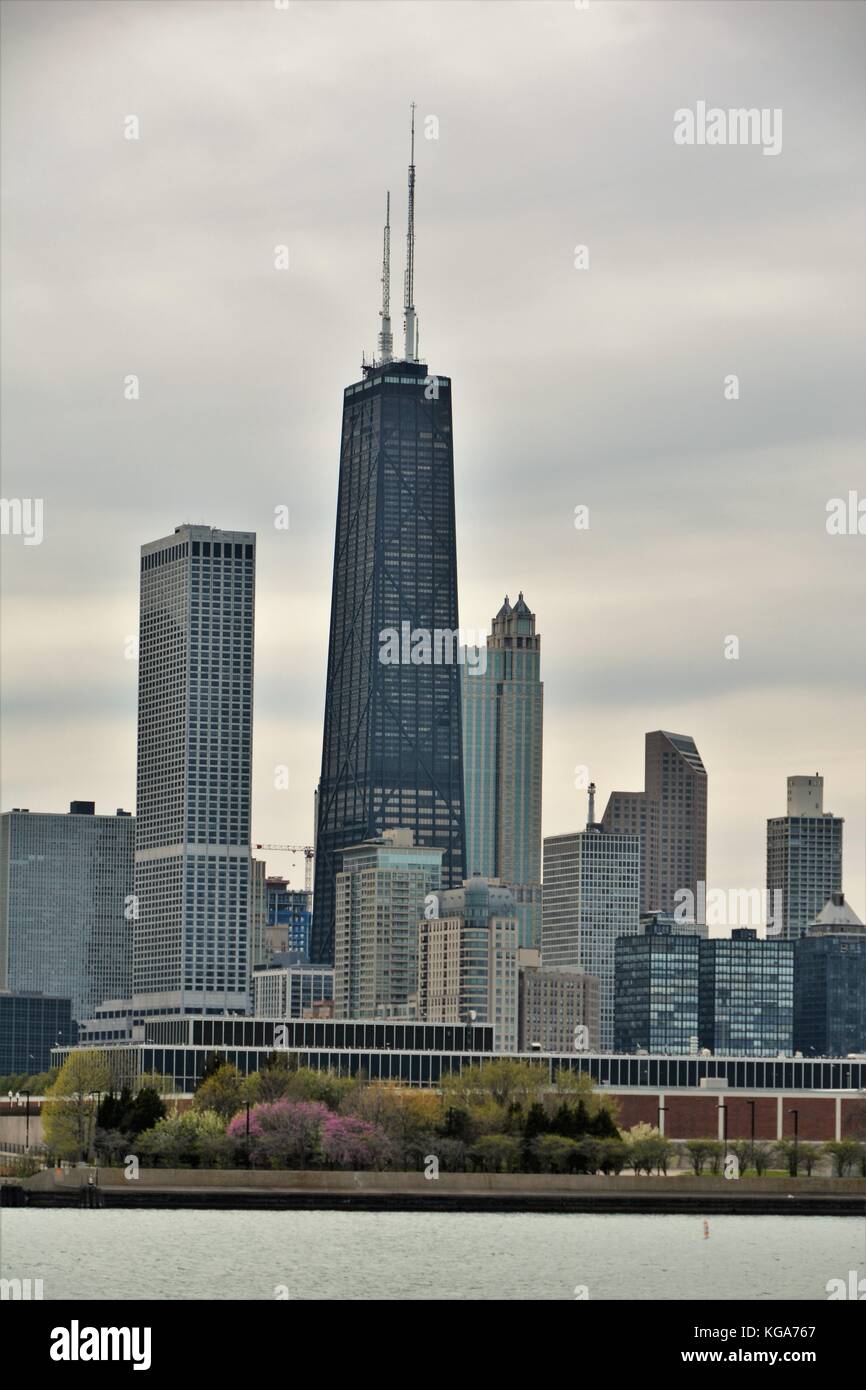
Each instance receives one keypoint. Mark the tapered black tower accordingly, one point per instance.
(392, 747)
(391, 754)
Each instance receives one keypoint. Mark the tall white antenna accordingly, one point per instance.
(410, 321)
(386, 337)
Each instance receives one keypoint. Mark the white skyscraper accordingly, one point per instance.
(591, 896)
(193, 886)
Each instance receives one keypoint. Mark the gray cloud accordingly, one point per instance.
(261, 127)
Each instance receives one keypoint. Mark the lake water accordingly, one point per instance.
(425, 1255)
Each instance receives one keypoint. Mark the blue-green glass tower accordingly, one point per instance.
(502, 701)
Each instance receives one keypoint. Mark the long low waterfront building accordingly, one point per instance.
(420, 1054)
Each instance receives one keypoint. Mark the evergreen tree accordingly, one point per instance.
(536, 1121)
(212, 1063)
(110, 1112)
(603, 1126)
(144, 1112)
(563, 1122)
(582, 1122)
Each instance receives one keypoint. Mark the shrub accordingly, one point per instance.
(496, 1153)
(554, 1153)
(844, 1154)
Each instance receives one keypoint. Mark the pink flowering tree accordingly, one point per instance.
(285, 1134)
(348, 1142)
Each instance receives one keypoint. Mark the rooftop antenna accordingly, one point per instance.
(386, 337)
(410, 322)
(591, 820)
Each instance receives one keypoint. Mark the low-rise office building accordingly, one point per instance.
(289, 986)
(558, 1010)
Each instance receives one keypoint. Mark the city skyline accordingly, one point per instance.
(235, 416)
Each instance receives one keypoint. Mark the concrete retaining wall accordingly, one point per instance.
(452, 1184)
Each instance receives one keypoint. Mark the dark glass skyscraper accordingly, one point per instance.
(391, 753)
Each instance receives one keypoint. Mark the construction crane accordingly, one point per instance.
(309, 855)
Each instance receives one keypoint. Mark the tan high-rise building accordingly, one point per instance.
(467, 960)
(554, 1005)
(670, 817)
(381, 896)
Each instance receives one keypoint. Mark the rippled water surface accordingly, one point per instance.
(421, 1255)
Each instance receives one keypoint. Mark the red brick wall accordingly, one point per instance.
(691, 1117)
(817, 1117)
(740, 1117)
(696, 1116)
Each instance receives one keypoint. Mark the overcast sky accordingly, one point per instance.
(603, 387)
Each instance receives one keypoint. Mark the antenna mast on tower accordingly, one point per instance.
(410, 321)
(386, 337)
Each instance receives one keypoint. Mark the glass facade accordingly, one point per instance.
(66, 905)
(289, 907)
(656, 993)
(413, 1054)
(830, 995)
(391, 751)
(30, 1025)
(746, 995)
(502, 712)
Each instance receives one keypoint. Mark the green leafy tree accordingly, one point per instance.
(271, 1082)
(222, 1091)
(69, 1114)
(502, 1081)
(192, 1139)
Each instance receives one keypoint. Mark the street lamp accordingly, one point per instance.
(752, 1145)
(796, 1115)
(91, 1147)
(27, 1095)
(723, 1106)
